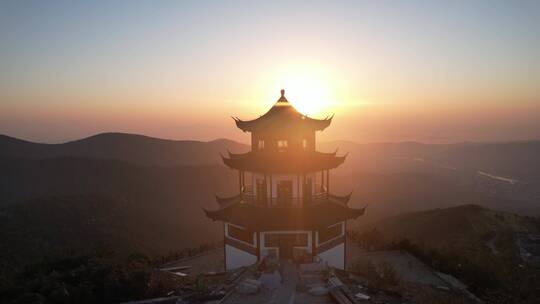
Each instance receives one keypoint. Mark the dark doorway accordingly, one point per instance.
(284, 193)
(308, 189)
(286, 243)
(261, 192)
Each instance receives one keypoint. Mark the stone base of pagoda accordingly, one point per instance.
(244, 248)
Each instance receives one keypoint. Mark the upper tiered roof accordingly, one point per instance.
(283, 162)
(283, 115)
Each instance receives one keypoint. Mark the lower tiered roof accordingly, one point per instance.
(319, 213)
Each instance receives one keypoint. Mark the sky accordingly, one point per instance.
(428, 71)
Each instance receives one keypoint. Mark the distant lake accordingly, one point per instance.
(492, 176)
(500, 178)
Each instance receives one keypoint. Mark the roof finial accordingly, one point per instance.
(282, 100)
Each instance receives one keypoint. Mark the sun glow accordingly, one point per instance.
(308, 89)
(308, 97)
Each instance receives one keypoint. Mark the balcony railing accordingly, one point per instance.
(251, 198)
(319, 189)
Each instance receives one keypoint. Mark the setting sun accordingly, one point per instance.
(308, 94)
(310, 89)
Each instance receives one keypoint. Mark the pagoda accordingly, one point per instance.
(284, 207)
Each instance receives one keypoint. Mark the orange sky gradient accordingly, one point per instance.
(407, 71)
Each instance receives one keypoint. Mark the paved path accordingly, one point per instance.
(286, 293)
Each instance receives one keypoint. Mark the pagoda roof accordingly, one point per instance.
(226, 201)
(342, 199)
(315, 215)
(290, 161)
(282, 116)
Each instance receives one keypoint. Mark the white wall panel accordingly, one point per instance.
(235, 258)
(334, 257)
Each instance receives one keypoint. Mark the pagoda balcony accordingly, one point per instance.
(298, 202)
(319, 189)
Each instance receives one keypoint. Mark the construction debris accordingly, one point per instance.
(271, 280)
(362, 296)
(248, 286)
(318, 291)
(198, 280)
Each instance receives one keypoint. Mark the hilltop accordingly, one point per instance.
(453, 228)
(479, 246)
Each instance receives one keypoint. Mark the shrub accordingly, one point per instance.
(387, 274)
(382, 275)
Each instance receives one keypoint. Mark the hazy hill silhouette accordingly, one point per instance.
(49, 204)
(477, 245)
(49, 226)
(519, 160)
(126, 147)
(23, 179)
(154, 189)
(454, 227)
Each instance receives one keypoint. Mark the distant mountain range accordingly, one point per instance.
(157, 188)
(518, 160)
(133, 148)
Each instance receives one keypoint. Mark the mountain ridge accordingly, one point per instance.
(446, 227)
(133, 148)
